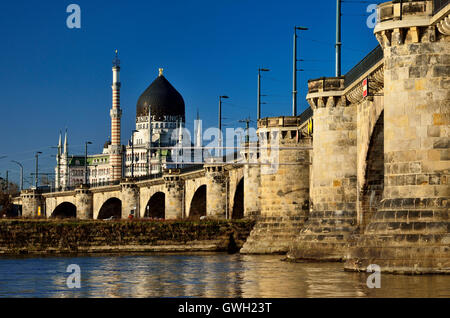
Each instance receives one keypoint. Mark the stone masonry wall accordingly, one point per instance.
(284, 192)
(216, 192)
(333, 193)
(49, 237)
(410, 231)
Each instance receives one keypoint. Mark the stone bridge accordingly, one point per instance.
(215, 190)
(367, 183)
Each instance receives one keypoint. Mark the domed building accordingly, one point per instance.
(163, 127)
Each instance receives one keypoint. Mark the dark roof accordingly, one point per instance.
(163, 98)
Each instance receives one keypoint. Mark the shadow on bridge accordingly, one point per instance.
(156, 206)
(238, 205)
(112, 208)
(65, 210)
(198, 204)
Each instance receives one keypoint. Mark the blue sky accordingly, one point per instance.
(54, 78)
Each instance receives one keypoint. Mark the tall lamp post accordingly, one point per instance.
(37, 169)
(338, 37)
(259, 90)
(149, 145)
(21, 173)
(295, 70)
(220, 123)
(85, 160)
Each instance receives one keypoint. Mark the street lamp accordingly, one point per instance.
(338, 37)
(21, 173)
(37, 169)
(85, 160)
(295, 70)
(220, 123)
(132, 152)
(259, 90)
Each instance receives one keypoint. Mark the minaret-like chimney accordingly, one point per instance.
(116, 115)
(66, 144)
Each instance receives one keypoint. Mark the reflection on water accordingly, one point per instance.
(202, 275)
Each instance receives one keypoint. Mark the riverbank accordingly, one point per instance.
(74, 236)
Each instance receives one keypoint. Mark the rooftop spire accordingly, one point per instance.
(116, 61)
(66, 144)
(161, 71)
(59, 144)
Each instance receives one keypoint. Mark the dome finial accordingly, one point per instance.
(161, 71)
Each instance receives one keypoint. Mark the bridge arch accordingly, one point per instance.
(111, 208)
(197, 208)
(373, 183)
(156, 206)
(238, 201)
(65, 210)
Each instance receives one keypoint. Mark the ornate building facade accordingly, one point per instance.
(150, 149)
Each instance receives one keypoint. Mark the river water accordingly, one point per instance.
(202, 275)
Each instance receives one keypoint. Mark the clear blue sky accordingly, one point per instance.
(53, 77)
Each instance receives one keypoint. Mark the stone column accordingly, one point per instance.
(334, 191)
(284, 190)
(252, 182)
(84, 201)
(410, 231)
(174, 196)
(215, 191)
(32, 204)
(130, 199)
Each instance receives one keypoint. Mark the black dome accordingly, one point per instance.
(163, 98)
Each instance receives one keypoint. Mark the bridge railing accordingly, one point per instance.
(191, 168)
(364, 65)
(44, 190)
(439, 5)
(306, 115)
(103, 184)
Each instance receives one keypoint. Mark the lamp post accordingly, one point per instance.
(338, 38)
(295, 70)
(37, 169)
(220, 123)
(21, 173)
(85, 160)
(132, 153)
(149, 145)
(259, 90)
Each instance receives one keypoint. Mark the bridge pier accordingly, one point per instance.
(33, 204)
(174, 195)
(410, 231)
(252, 183)
(84, 203)
(284, 190)
(334, 175)
(216, 191)
(130, 199)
